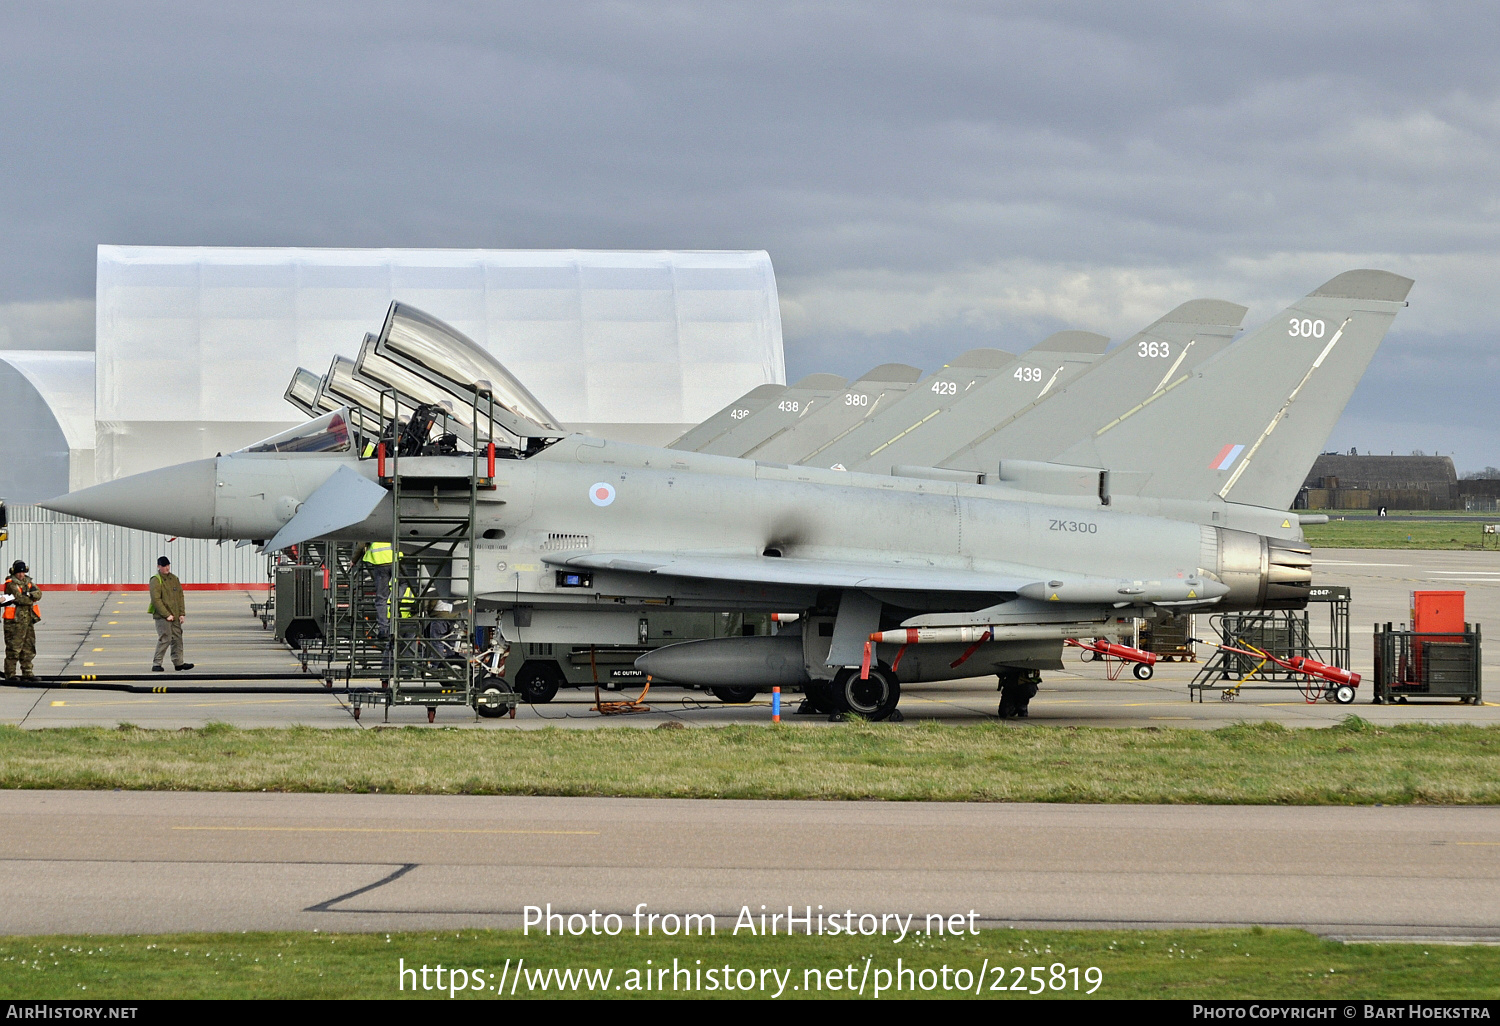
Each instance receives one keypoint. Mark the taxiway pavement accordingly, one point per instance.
(125, 862)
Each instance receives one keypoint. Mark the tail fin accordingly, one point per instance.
(1247, 425)
(753, 401)
(1124, 377)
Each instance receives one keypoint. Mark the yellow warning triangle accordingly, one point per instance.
(1053, 598)
(1286, 523)
(1192, 594)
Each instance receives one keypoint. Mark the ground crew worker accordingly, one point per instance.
(377, 560)
(21, 615)
(169, 607)
(440, 626)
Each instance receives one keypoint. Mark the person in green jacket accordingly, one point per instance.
(169, 608)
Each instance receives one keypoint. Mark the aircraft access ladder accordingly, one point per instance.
(425, 659)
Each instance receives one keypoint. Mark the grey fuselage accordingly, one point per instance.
(664, 500)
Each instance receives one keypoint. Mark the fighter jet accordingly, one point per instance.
(902, 578)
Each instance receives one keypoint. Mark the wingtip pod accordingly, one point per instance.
(1381, 286)
(1072, 341)
(1207, 311)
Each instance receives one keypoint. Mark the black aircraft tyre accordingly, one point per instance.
(537, 683)
(874, 698)
(1143, 671)
(735, 695)
(1344, 694)
(490, 712)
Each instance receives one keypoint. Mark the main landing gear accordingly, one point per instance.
(874, 697)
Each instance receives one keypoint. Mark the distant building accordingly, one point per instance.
(1337, 481)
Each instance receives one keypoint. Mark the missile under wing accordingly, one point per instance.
(1131, 375)
(833, 420)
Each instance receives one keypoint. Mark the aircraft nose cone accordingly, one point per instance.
(174, 500)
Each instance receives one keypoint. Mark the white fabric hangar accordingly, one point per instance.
(48, 398)
(196, 345)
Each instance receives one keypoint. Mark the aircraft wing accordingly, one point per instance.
(890, 576)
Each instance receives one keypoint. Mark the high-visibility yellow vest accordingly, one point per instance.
(379, 553)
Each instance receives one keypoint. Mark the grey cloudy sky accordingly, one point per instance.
(927, 177)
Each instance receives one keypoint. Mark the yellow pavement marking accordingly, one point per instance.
(88, 664)
(59, 703)
(380, 830)
(106, 635)
(1169, 717)
(98, 650)
(112, 623)
(1487, 844)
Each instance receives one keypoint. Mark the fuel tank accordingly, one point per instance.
(765, 661)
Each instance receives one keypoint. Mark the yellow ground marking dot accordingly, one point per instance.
(380, 830)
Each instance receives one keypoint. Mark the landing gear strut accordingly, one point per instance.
(1017, 689)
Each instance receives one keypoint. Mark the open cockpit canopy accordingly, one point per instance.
(444, 356)
(328, 433)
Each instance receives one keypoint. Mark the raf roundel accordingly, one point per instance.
(601, 493)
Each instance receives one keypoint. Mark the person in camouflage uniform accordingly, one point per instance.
(21, 615)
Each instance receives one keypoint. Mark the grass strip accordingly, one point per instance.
(1193, 964)
(1402, 533)
(1354, 763)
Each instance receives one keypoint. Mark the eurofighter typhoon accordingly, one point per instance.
(917, 572)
